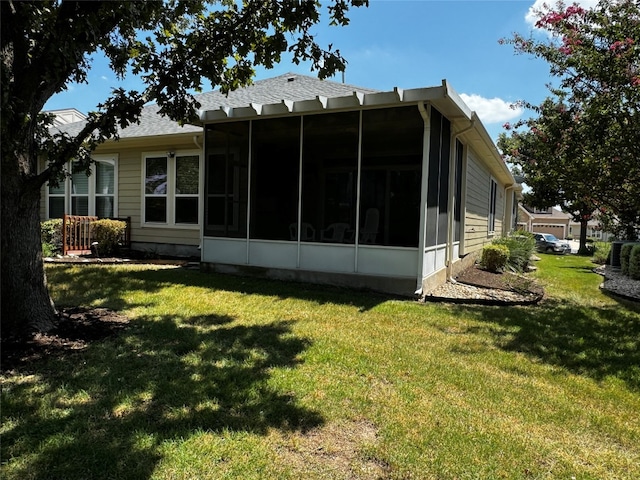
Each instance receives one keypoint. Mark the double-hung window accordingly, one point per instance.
(171, 189)
(80, 194)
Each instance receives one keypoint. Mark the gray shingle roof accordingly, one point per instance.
(290, 86)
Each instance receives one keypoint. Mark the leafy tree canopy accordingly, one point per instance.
(174, 46)
(171, 45)
(582, 148)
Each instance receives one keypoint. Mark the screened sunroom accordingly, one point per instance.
(362, 190)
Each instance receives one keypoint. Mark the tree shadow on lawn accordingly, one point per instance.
(110, 408)
(598, 342)
(579, 268)
(94, 283)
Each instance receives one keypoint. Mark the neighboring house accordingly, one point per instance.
(594, 230)
(298, 178)
(549, 220)
(67, 115)
(560, 224)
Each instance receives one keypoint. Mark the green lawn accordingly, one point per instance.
(222, 377)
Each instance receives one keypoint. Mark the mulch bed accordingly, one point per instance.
(76, 328)
(478, 277)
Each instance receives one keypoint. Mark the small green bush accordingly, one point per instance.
(634, 262)
(521, 247)
(47, 250)
(625, 253)
(495, 257)
(107, 233)
(51, 233)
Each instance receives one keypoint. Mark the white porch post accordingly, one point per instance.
(356, 242)
(250, 165)
(300, 189)
(425, 111)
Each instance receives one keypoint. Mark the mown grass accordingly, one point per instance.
(225, 377)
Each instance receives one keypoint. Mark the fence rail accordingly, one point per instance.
(76, 234)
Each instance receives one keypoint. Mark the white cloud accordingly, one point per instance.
(491, 110)
(543, 5)
(104, 78)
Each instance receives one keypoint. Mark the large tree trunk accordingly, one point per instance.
(26, 304)
(582, 250)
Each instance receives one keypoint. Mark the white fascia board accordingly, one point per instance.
(423, 94)
(280, 108)
(497, 157)
(243, 112)
(498, 166)
(383, 98)
(456, 99)
(308, 105)
(211, 115)
(350, 101)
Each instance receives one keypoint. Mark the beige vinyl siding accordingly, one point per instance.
(129, 189)
(478, 187)
(130, 199)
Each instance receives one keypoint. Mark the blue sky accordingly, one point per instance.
(408, 44)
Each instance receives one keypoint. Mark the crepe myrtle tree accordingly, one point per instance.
(550, 156)
(581, 150)
(173, 46)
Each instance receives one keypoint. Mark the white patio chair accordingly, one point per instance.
(369, 231)
(307, 232)
(334, 233)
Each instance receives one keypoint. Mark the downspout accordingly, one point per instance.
(452, 194)
(507, 227)
(426, 148)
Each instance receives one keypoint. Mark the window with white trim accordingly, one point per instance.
(171, 189)
(80, 194)
(187, 188)
(492, 206)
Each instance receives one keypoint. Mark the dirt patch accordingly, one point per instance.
(336, 450)
(76, 329)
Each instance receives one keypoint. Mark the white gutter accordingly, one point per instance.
(504, 216)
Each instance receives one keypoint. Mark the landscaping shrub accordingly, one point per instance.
(495, 257)
(625, 253)
(634, 262)
(521, 247)
(51, 233)
(107, 233)
(601, 252)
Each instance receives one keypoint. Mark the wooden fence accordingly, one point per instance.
(76, 234)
